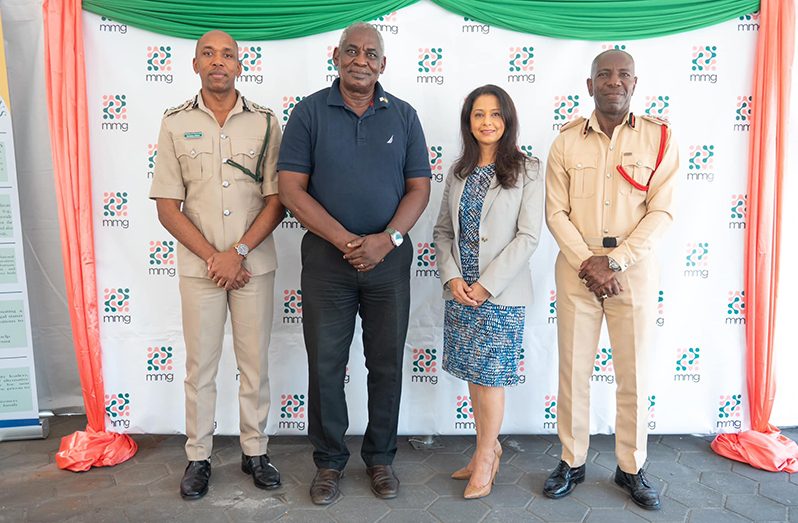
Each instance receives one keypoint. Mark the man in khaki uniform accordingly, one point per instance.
(215, 186)
(609, 185)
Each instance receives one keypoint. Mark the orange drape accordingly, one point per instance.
(763, 446)
(69, 133)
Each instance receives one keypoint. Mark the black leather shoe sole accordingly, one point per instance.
(265, 486)
(638, 503)
(572, 485)
(195, 495)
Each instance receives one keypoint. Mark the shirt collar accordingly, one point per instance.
(241, 105)
(379, 101)
(630, 120)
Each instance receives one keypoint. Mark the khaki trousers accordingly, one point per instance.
(204, 314)
(630, 317)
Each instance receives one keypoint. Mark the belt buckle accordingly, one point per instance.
(609, 242)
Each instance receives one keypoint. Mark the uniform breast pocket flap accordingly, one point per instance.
(638, 169)
(195, 158)
(245, 153)
(583, 174)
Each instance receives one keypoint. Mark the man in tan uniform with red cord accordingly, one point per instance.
(215, 187)
(609, 185)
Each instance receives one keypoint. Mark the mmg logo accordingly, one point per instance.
(521, 64)
(159, 63)
(749, 22)
(114, 109)
(464, 411)
(109, 26)
(550, 412)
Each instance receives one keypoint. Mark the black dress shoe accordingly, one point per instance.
(264, 474)
(194, 484)
(384, 483)
(563, 480)
(324, 487)
(643, 493)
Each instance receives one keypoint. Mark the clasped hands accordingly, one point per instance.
(366, 252)
(472, 295)
(227, 270)
(599, 279)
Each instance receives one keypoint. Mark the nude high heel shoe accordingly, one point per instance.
(464, 473)
(474, 492)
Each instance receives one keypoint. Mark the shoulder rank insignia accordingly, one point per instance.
(260, 109)
(654, 119)
(573, 123)
(185, 105)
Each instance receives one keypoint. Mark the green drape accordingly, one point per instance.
(282, 19)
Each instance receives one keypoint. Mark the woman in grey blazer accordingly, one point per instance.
(487, 229)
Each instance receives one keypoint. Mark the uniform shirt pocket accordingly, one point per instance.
(195, 158)
(245, 152)
(639, 168)
(583, 174)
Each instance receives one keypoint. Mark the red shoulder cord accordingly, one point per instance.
(662, 142)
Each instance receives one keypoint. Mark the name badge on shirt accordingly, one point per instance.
(192, 134)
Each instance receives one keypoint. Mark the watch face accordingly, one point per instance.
(242, 249)
(397, 238)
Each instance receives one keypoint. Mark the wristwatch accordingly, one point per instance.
(242, 249)
(396, 236)
(614, 265)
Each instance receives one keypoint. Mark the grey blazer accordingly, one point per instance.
(509, 232)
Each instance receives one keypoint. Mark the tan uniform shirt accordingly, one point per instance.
(219, 199)
(587, 199)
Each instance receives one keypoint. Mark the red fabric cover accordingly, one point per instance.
(69, 133)
(763, 447)
(764, 450)
(82, 450)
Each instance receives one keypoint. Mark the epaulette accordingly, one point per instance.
(252, 106)
(654, 119)
(579, 120)
(182, 107)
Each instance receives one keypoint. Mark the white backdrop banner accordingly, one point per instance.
(700, 81)
(19, 406)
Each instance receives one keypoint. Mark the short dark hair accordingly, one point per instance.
(594, 64)
(510, 161)
(196, 46)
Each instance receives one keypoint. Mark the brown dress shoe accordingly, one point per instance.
(324, 487)
(384, 483)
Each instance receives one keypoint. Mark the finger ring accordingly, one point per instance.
(604, 296)
(362, 265)
(584, 280)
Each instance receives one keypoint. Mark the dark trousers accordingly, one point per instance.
(333, 292)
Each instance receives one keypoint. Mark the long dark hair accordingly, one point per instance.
(509, 160)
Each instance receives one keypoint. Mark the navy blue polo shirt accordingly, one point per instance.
(357, 165)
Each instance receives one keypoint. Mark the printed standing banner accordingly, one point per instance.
(19, 406)
(699, 81)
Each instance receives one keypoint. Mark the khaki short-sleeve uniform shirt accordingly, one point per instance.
(587, 199)
(220, 200)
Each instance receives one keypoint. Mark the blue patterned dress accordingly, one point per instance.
(480, 345)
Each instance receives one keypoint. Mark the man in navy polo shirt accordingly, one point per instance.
(354, 171)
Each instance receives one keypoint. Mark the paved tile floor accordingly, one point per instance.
(696, 485)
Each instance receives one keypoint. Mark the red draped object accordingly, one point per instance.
(69, 133)
(763, 446)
